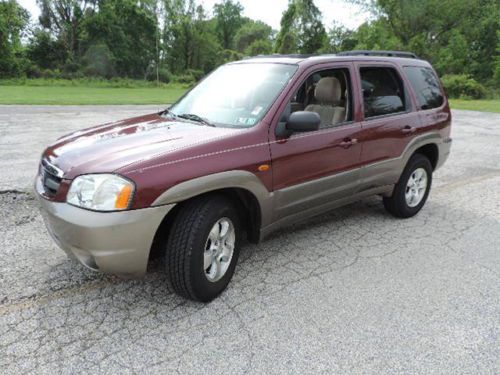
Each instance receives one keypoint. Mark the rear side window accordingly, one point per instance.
(383, 91)
(426, 86)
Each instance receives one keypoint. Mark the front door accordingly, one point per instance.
(315, 168)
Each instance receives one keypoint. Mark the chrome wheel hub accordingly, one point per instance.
(219, 249)
(416, 187)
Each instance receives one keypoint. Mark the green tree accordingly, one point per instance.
(458, 36)
(189, 39)
(229, 20)
(482, 34)
(496, 74)
(339, 38)
(453, 58)
(376, 35)
(121, 36)
(45, 51)
(63, 19)
(301, 30)
(13, 22)
(254, 37)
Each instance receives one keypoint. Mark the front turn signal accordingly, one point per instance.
(124, 198)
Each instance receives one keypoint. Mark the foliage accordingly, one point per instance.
(99, 61)
(457, 36)
(254, 38)
(339, 38)
(462, 86)
(189, 39)
(259, 47)
(496, 75)
(179, 41)
(115, 34)
(13, 21)
(86, 82)
(302, 29)
(228, 21)
(64, 18)
(45, 51)
(376, 35)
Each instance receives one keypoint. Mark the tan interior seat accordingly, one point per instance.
(328, 95)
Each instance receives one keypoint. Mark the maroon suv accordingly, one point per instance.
(258, 144)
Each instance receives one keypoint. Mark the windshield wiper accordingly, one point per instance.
(193, 117)
(167, 111)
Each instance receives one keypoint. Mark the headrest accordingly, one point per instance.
(328, 91)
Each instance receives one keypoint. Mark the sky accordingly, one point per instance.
(270, 11)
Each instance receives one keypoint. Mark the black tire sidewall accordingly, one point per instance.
(417, 161)
(202, 288)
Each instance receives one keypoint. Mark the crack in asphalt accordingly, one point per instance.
(15, 192)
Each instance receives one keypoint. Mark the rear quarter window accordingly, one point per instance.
(426, 86)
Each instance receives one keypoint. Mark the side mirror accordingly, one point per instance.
(301, 121)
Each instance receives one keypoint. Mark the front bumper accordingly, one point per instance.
(110, 242)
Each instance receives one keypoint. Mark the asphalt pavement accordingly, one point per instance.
(355, 291)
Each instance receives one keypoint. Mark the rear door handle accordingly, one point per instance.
(348, 142)
(409, 129)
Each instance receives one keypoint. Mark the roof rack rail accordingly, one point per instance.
(278, 55)
(409, 55)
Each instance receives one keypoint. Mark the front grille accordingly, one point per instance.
(51, 178)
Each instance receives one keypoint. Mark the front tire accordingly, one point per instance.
(203, 248)
(412, 189)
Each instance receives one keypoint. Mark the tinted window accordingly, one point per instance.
(426, 86)
(383, 91)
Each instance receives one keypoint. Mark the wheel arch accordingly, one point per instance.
(245, 202)
(246, 191)
(431, 152)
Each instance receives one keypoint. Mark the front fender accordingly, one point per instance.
(217, 181)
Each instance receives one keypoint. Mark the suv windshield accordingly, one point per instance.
(236, 95)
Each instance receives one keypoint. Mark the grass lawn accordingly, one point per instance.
(88, 95)
(68, 92)
(476, 105)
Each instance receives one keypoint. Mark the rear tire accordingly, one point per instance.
(412, 189)
(203, 248)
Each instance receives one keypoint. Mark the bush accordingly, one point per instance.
(86, 82)
(196, 74)
(165, 75)
(463, 86)
(229, 55)
(185, 78)
(98, 61)
(190, 76)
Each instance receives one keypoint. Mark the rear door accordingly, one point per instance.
(389, 122)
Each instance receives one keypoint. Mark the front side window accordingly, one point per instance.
(236, 95)
(383, 91)
(328, 93)
(426, 86)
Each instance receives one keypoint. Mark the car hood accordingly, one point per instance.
(112, 146)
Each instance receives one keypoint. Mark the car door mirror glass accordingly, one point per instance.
(303, 121)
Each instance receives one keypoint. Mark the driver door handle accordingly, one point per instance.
(409, 129)
(348, 142)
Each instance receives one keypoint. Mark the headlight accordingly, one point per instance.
(101, 192)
